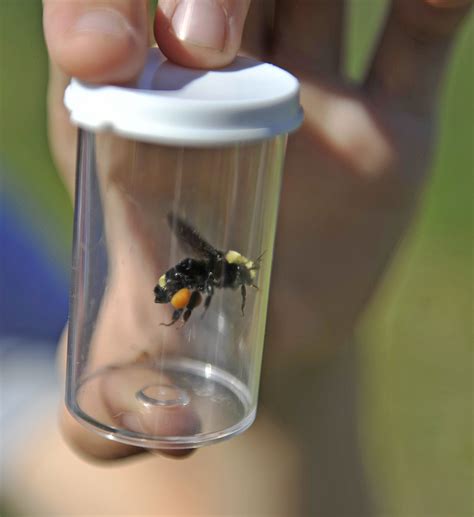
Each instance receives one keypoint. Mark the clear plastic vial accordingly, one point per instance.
(178, 181)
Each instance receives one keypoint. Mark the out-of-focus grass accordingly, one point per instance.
(416, 355)
(416, 340)
(28, 173)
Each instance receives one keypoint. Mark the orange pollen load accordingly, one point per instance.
(181, 298)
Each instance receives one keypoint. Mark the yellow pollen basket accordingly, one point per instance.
(181, 298)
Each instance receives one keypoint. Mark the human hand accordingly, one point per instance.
(370, 148)
(354, 171)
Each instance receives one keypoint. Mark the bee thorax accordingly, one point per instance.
(162, 281)
(234, 257)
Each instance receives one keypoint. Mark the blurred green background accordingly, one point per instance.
(416, 339)
(417, 336)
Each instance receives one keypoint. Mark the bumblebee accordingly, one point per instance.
(192, 279)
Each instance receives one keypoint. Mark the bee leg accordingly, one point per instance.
(243, 291)
(209, 290)
(207, 302)
(176, 315)
(194, 301)
(210, 278)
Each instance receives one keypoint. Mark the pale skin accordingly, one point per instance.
(353, 176)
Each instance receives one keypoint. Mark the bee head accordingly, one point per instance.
(161, 293)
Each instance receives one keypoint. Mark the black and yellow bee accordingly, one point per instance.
(185, 284)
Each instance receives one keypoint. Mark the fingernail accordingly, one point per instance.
(201, 22)
(103, 21)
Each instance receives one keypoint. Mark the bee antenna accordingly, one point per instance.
(259, 258)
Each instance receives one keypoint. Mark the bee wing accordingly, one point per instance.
(189, 238)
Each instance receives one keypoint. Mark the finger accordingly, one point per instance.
(308, 35)
(97, 40)
(412, 54)
(200, 33)
(90, 444)
(95, 447)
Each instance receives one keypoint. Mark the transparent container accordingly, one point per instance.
(175, 221)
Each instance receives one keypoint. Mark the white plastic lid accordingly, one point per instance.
(245, 101)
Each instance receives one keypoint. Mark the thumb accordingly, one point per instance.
(200, 33)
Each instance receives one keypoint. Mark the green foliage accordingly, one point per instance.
(29, 173)
(416, 353)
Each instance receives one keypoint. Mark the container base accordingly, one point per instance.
(179, 405)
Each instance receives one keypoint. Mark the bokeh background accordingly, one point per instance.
(416, 338)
